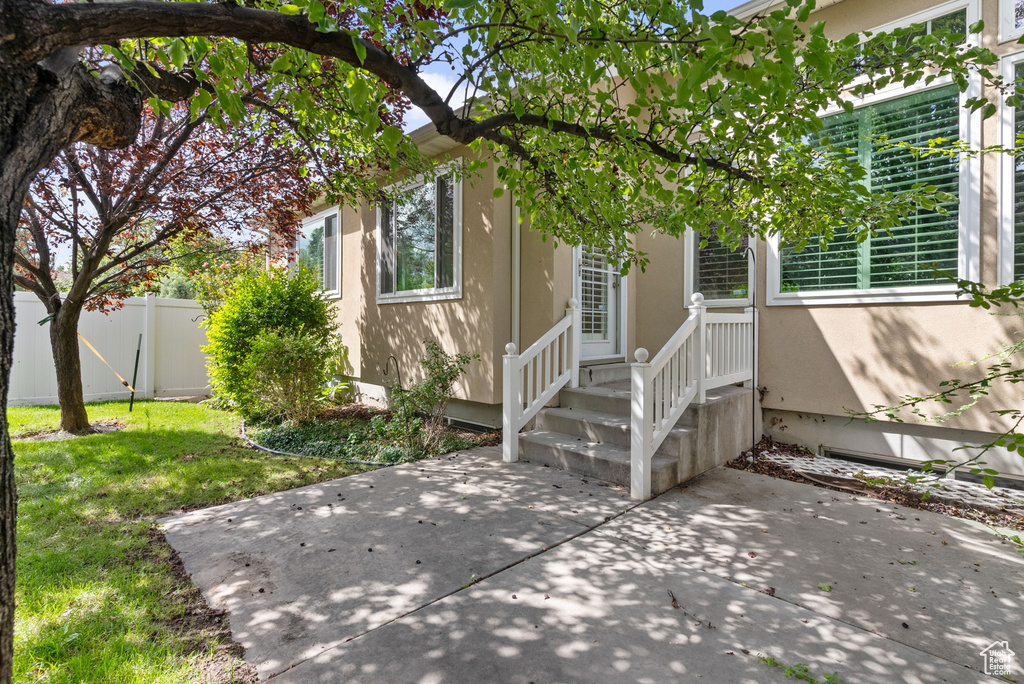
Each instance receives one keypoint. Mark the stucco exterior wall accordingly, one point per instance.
(823, 360)
(815, 360)
(477, 323)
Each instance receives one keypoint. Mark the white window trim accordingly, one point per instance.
(690, 245)
(968, 251)
(313, 220)
(431, 294)
(1007, 30)
(973, 16)
(1007, 139)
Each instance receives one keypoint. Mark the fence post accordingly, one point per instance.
(641, 430)
(574, 341)
(700, 340)
(510, 404)
(150, 341)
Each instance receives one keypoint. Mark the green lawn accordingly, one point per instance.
(98, 598)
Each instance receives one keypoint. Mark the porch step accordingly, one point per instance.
(604, 373)
(592, 459)
(614, 430)
(609, 398)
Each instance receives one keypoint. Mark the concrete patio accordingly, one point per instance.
(466, 569)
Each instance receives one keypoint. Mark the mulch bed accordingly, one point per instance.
(903, 496)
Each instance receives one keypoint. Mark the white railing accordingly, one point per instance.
(708, 350)
(531, 379)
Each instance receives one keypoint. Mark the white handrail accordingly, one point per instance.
(531, 379)
(708, 350)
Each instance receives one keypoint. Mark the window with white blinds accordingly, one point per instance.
(1017, 267)
(720, 272)
(904, 256)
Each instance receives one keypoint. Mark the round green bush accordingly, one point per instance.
(272, 301)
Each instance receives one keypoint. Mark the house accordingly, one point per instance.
(847, 329)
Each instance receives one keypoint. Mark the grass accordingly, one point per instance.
(98, 597)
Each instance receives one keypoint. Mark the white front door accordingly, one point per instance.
(599, 290)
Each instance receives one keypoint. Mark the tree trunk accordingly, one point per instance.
(67, 361)
(8, 493)
(42, 110)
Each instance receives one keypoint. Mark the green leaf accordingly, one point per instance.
(391, 137)
(316, 11)
(177, 53)
(460, 4)
(289, 9)
(359, 47)
(824, 587)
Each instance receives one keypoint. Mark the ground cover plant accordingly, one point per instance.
(100, 596)
(364, 434)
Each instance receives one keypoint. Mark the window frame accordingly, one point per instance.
(690, 245)
(973, 8)
(1007, 23)
(969, 216)
(311, 221)
(425, 294)
(1007, 181)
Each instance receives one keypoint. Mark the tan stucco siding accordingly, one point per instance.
(476, 323)
(826, 359)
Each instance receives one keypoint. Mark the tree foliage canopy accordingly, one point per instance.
(604, 118)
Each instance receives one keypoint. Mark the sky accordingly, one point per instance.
(441, 78)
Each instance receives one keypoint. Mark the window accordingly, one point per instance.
(902, 259)
(955, 22)
(419, 246)
(318, 248)
(718, 272)
(1011, 241)
(1011, 19)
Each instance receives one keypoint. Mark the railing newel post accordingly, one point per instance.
(699, 348)
(510, 405)
(573, 310)
(641, 436)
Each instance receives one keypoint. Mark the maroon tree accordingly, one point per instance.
(114, 212)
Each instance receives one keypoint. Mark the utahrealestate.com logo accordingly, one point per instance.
(999, 659)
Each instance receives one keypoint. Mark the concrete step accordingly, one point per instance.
(600, 399)
(604, 373)
(591, 459)
(611, 429)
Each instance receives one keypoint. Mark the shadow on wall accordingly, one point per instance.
(822, 361)
(461, 325)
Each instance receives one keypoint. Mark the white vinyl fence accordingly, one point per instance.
(172, 363)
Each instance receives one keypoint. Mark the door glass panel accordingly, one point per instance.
(597, 295)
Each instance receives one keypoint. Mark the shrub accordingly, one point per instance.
(287, 372)
(429, 398)
(269, 301)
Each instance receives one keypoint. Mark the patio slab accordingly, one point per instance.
(301, 571)
(531, 574)
(943, 585)
(599, 610)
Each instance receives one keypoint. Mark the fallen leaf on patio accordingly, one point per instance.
(824, 587)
